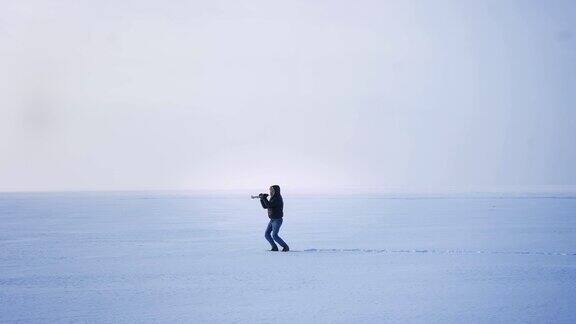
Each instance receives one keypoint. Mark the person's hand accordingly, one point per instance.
(263, 195)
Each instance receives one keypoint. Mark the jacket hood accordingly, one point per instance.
(276, 190)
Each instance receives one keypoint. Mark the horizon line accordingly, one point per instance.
(532, 191)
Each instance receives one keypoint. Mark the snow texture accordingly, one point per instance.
(151, 257)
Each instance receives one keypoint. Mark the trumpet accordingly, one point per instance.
(259, 195)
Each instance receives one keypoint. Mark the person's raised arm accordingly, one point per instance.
(273, 202)
(264, 202)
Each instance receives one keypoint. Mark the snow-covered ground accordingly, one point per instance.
(144, 257)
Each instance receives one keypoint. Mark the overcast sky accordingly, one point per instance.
(116, 95)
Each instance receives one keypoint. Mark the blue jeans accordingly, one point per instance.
(274, 228)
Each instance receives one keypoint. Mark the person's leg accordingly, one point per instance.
(269, 237)
(276, 223)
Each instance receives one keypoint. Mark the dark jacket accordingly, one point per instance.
(275, 205)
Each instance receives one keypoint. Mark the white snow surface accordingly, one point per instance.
(168, 258)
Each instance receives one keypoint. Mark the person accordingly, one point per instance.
(275, 207)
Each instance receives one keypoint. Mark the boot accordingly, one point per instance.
(285, 249)
(274, 248)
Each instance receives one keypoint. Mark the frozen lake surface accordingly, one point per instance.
(144, 257)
